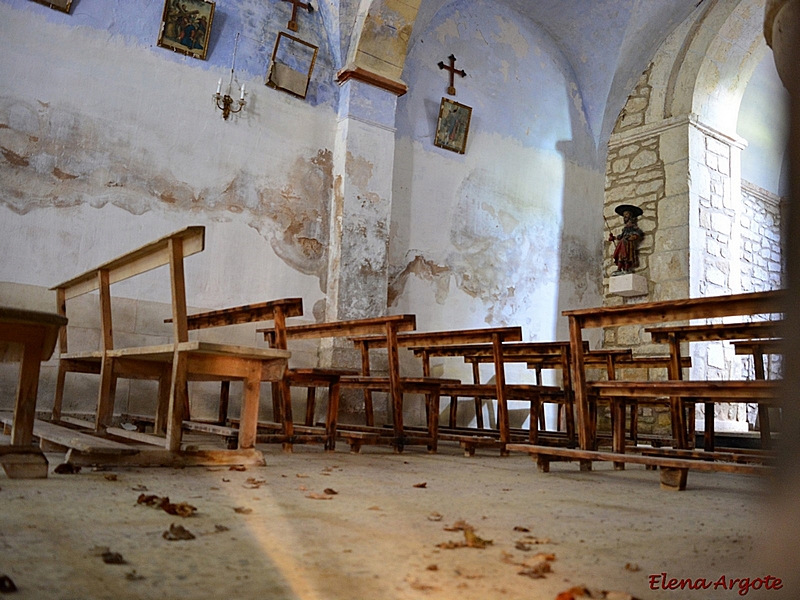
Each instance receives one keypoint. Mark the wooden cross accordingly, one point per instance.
(452, 68)
(295, 5)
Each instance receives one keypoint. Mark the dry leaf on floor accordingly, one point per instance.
(302, 488)
(473, 541)
(252, 483)
(432, 568)
(139, 488)
(66, 469)
(177, 532)
(110, 476)
(226, 480)
(315, 496)
(530, 539)
(242, 510)
(523, 546)
(451, 545)
(330, 491)
(301, 476)
(435, 516)
(584, 593)
(237, 468)
(133, 576)
(220, 528)
(181, 509)
(113, 558)
(632, 567)
(416, 584)
(459, 525)
(521, 528)
(424, 484)
(536, 571)
(6, 585)
(374, 508)
(470, 539)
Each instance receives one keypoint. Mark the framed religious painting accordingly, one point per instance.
(292, 64)
(452, 127)
(186, 26)
(62, 5)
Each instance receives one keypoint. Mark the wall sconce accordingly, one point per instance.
(225, 102)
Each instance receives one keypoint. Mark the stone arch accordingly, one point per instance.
(682, 117)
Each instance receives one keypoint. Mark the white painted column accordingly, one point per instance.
(363, 165)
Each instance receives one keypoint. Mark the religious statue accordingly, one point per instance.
(626, 252)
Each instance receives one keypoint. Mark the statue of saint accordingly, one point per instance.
(626, 252)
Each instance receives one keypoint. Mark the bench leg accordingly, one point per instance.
(332, 416)
(177, 401)
(162, 408)
(708, 438)
(673, 479)
(533, 428)
(311, 405)
(618, 430)
(542, 462)
(453, 411)
(27, 388)
(224, 399)
(248, 422)
(58, 400)
(285, 395)
(105, 397)
(433, 421)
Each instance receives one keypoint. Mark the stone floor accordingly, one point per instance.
(280, 532)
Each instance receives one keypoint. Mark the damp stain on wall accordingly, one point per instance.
(51, 159)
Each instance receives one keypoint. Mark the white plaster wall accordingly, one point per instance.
(502, 234)
(109, 146)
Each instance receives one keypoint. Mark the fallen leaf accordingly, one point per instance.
(253, 483)
(460, 525)
(432, 568)
(226, 480)
(242, 510)
(315, 496)
(424, 484)
(6, 585)
(110, 476)
(113, 558)
(214, 488)
(139, 488)
(520, 528)
(66, 469)
(181, 509)
(220, 528)
(302, 488)
(237, 468)
(537, 565)
(330, 491)
(451, 545)
(421, 587)
(177, 532)
(374, 508)
(473, 541)
(523, 546)
(632, 567)
(435, 516)
(133, 576)
(301, 476)
(574, 593)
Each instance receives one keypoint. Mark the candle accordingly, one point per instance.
(219, 86)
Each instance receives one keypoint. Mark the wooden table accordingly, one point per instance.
(28, 337)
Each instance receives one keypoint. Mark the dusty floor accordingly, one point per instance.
(273, 532)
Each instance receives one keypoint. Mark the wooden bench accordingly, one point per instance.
(762, 303)
(394, 385)
(311, 378)
(173, 364)
(27, 337)
(743, 332)
(489, 341)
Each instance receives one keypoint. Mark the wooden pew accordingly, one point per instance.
(173, 364)
(396, 386)
(27, 337)
(278, 311)
(762, 303)
(746, 332)
(490, 340)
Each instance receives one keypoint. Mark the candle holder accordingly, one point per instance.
(226, 104)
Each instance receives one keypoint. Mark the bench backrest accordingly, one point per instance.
(168, 250)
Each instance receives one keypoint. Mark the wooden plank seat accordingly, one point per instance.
(396, 386)
(489, 342)
(173, 365)
(673, 470)
(27, 337)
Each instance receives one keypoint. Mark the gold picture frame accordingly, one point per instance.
(62, 5)
(186, 26)
(452, 127)
(292, 63)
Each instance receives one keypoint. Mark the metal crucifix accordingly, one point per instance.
(295, 5)
(453, 71)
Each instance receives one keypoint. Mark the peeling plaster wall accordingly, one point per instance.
(501, 234)
(115, 142)
(108, 142)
